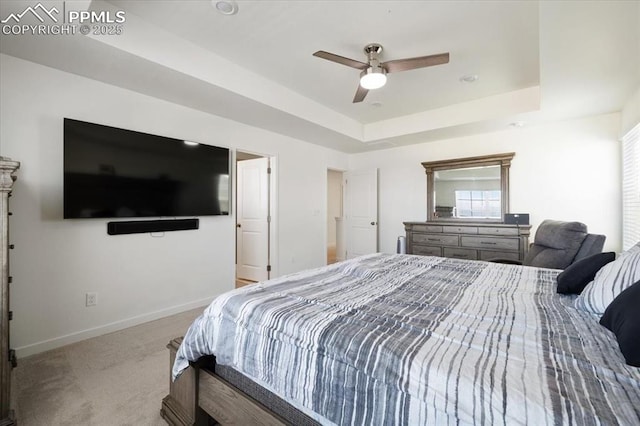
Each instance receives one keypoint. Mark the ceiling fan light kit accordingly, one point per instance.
(374, 73)
(373, 78)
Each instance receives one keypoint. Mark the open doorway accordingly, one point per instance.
(254, 212)
(335, 220)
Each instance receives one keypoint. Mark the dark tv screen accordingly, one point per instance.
(111, 173)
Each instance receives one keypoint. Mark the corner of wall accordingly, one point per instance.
(630, 113)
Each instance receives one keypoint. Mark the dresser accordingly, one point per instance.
(8, 169)
(468, 240)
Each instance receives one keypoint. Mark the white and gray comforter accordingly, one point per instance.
(413, 340)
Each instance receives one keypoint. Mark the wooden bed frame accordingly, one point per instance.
(200, 397)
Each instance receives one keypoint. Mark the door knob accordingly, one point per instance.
(373, 223)
(238, 225)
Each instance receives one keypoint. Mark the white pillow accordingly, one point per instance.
(610, 281)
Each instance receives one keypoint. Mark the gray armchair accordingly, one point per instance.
(558, 244)
(592, 244)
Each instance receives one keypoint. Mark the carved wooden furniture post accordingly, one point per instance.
(8, 168)
(505, 165)
(431, 193)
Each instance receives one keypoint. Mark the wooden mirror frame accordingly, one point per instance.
(502, 160)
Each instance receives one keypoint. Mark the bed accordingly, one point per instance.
(401, 340)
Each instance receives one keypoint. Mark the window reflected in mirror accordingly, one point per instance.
(469, 193)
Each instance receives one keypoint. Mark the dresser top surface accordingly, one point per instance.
(465, 223)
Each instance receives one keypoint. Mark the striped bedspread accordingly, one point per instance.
(415, 340)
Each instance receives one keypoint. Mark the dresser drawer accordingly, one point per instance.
(460, 229)
(460, 253)
(427, 250)
(439, 239)
(498, 231)
(490, 243)
(491, 255)
(426, 228)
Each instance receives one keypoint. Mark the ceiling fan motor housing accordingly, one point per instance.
(374, 76)
(373, 69)
(373, 49)
(373, 52)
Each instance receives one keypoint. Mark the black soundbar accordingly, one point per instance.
(143, 226)
(516, 218)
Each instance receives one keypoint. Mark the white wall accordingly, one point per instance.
(631, 112)
(137, 277)
(566, 171)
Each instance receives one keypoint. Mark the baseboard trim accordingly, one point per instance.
(46, 345)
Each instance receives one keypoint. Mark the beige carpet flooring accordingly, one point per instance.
(115, 379)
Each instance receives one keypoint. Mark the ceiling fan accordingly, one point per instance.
(374, 73)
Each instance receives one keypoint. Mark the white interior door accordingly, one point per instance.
(361, 212)
(252, 221)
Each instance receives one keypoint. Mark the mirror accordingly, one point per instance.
(472, 193)
(468, 189)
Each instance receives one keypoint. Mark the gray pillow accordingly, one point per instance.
(610, 281)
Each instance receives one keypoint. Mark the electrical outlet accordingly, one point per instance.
(92, 299)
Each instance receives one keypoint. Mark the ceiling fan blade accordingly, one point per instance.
(360, 94)
(341, 60)
(418, 62)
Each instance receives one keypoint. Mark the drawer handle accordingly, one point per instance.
(12, 358)
(433, 239)
(490, 243)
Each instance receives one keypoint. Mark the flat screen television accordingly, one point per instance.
(112, 173)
